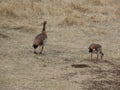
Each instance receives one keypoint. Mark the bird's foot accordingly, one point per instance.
(35, 52)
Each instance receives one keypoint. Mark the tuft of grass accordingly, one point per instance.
(72, 20)
(54, 11)
(68, 11)
(97, 2)
(25, 28)
(7, 12)
(77, 6)
(18, 26)
(19, 9)
(99, 18)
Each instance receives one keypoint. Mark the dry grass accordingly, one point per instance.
(72, 20)
(13, 9)
(97, 2)
(10, 25)
(77, 6)
(65, 65)
(118, 12)
(103, 80)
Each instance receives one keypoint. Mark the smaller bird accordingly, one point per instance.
(96, 49)
(40, 39)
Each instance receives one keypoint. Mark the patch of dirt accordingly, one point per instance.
(80, 65)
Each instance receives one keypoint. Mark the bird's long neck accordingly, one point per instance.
(43, 27)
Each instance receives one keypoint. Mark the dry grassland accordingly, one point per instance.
(65, 64)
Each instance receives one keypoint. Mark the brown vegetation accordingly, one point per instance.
(72, 26)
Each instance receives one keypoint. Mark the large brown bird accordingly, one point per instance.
(96, 49)
(40, 39)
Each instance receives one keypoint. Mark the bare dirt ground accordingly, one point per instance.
(65, 64)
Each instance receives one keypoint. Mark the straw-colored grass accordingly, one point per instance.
(72, 25)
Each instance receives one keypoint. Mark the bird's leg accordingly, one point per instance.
(101, 57)
(91, 56)
(41, 49)
(97, 57)
(35, 51)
